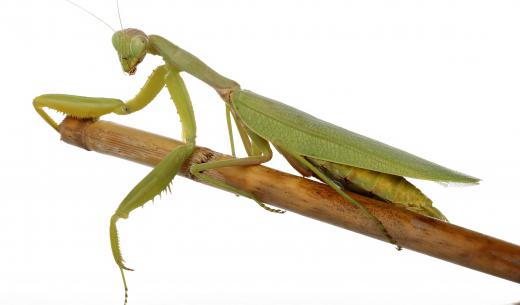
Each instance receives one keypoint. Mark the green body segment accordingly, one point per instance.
(315, 138)
(149, 91)
(78, 106)
(180, 97)
(183, 60)
(391, 188)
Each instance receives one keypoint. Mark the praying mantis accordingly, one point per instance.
(340, 158)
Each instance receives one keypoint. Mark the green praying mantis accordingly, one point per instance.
(340, 158)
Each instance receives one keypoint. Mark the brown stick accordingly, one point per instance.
(316, 200)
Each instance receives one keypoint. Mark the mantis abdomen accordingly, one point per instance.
(391, 188)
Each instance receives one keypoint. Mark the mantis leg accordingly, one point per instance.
(162, 175)
(338, 189)
(230, 130)
(244, 136)
(94, 107)
(265, 155)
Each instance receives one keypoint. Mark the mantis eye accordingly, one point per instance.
(138, 46)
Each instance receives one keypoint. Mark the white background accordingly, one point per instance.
(439, 79)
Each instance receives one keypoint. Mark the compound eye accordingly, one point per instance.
(137, 46)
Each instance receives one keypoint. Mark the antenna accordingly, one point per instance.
(91, 14)
(119, 14)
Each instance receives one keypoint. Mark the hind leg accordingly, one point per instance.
(338, 189)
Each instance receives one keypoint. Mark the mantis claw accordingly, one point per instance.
(116, 251)
(114, 242)
(124, 283)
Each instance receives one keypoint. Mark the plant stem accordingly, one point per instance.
(310, 198)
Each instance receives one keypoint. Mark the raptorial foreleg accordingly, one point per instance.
(162, 175)
(94, 107)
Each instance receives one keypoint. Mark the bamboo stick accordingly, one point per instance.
(309, 198)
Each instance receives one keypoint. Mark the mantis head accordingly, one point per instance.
(131, 46)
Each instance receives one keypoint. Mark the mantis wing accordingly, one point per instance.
(309, 136)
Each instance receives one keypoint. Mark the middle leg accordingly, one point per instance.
(264, 155)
